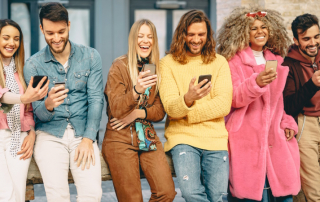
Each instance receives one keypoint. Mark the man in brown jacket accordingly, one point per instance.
(302, 98)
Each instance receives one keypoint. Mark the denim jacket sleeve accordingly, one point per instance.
(95, 96)
(39, 108)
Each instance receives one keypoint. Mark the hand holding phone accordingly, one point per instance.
(196, 92)
(147, 78)
(203, 77)
(36, 90)
(56, 96)
(268, 75)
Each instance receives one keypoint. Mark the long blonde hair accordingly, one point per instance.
(18, 56)
(133, 53)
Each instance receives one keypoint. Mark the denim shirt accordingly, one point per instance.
(82, 108)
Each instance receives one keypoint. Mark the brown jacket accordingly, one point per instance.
(298, 91)
(120, 102)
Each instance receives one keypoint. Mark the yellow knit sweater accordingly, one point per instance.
(203, 124)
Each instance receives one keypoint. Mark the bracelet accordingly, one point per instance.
(134, 88)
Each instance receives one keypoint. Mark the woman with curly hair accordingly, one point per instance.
(264, 156)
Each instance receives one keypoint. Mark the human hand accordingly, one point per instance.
(266, 77)
(27, 145)
(145, 82)
(84, 153)
(34, 94)
(121, 123)
(316, 78)
(289, 133)
(195, 92)
(55, 98)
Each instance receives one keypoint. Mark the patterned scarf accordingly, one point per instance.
(13, 116)
(144, 129)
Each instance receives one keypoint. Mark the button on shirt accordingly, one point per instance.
(82, 108)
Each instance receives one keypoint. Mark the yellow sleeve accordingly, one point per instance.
(172, 101)
(220, 103)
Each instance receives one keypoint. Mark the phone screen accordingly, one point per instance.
(271, 64)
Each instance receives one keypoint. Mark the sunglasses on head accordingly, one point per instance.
(259, 13)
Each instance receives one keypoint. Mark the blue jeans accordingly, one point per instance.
(202, 174)
(267, 196)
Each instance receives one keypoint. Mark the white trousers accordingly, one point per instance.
(13, 171)
(55, 156)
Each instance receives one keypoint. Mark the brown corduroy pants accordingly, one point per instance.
(124, 161)
(309, 141)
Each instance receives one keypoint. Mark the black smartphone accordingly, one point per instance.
(37, 79)
(203, 77)
(151, 67)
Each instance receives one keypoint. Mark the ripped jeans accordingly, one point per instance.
(202, 174)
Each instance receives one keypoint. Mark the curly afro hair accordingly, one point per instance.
(234, 35)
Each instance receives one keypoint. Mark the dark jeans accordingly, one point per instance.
(266, 196)
(202, 174)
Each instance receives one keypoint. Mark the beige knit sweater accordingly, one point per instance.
(203, 124)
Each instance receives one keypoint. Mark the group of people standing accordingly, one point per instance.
(229, 134)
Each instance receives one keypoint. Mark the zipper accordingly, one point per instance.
(131, 135)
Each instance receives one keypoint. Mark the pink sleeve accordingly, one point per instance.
(29, 116)
(244, 91)
(3, 91)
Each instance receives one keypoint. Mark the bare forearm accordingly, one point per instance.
(11, 98)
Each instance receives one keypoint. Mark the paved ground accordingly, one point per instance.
(107, 186)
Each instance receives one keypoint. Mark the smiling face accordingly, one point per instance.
(259, 35)
(196, 38)
(9, 41)
(56, 34)
(145, 41)
(308, 42)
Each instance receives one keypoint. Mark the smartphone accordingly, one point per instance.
(203, 77)
(60, 84)
(271, 64)
(151, 67)
(37, 79)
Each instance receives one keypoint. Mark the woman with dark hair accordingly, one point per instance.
(17, 133)
(264, 155)
(133, 104)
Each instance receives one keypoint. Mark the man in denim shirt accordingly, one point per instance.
(68, 119)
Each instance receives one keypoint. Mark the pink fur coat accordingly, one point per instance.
(257, 142)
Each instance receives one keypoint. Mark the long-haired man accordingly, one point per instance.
(195, 130)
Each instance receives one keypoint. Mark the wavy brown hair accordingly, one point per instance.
(234, 35)
(178, 47)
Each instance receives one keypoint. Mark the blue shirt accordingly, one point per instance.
(83, 106)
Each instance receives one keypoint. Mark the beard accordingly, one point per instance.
(64, 41)
(304, 50)
(195, 52)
